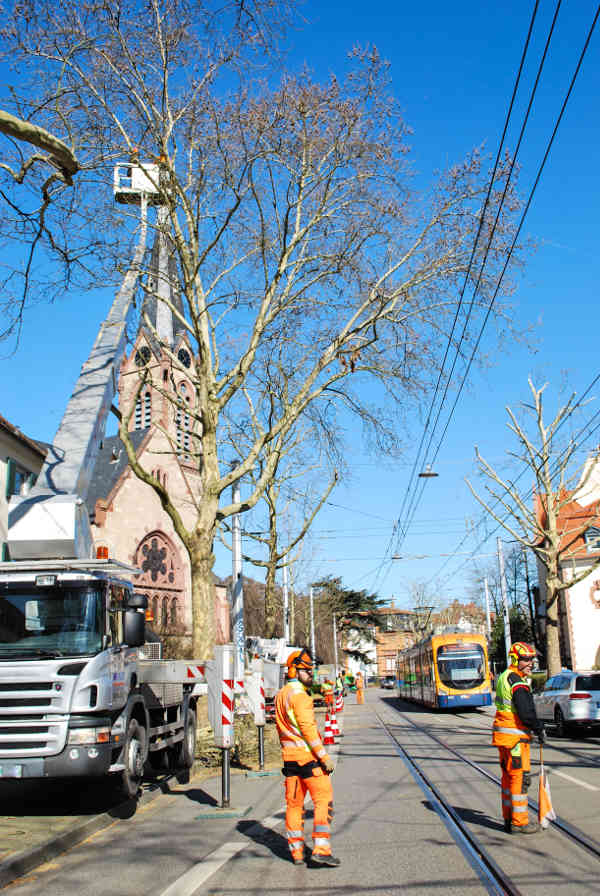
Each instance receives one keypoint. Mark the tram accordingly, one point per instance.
(446, 671)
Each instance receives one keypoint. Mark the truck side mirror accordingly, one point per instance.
(133, 628)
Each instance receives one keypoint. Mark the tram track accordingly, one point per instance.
(496, 881)
(571, 832)
(588, 761)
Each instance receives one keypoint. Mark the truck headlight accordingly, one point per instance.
(89, 736)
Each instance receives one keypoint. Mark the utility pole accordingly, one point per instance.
(530, 602)
(507, 638)
(335, 645)
(312, 623)
(487, 609)
(237, 594)
(286, 606)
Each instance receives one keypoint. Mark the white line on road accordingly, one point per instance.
(572, 780)
(188, 883)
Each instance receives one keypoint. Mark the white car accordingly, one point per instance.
(570, 700)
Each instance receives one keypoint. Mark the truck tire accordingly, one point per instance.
(183, 753)
(130, 779)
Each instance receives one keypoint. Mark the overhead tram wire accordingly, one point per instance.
(516, 236)
(527, 466)
(466, 280)
(526, 496)
(418, 493)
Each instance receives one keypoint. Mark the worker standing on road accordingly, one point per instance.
(327, 691)
(515, 720)
(306, 764)
(360, 694)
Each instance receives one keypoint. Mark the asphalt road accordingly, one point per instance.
(388, 836)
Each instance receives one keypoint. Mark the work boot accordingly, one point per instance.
(532, 827)
(317, 860)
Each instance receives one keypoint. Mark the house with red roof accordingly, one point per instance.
(578, 525)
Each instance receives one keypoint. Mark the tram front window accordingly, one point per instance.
(461, 666)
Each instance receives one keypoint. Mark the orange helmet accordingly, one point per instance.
(299, 659)
(521, 651)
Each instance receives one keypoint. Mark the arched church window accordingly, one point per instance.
(174, 611)
(147, 409)
(164, 619)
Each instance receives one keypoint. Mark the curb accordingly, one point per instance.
(25, 861)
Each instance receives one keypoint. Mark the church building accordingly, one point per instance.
(126, 514)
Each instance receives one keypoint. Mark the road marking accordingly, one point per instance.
(188, 883)
(572, 780)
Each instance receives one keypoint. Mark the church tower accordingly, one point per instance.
(156, 380)
(157, 396)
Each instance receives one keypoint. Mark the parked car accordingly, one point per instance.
(388, 682)
(570, 701)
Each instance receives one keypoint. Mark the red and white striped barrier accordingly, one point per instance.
(339, 703)
(335, 729)
(196, 673)
(328, 739)
(227, 708)
(220, 678)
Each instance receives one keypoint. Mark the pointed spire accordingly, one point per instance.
(163, 285)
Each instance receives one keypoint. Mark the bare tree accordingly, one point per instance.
(50, 168)
(537, 521)
(311, 272)
(279, 554)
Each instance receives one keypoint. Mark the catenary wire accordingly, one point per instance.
(418, 493)
(462, 292)
(513, 244)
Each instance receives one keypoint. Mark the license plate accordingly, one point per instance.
(11, 771)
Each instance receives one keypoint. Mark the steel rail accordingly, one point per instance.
(569, 830)
(496, 881)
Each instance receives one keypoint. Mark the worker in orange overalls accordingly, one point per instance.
(360, 694)
(515, 719)
(306, 764)
(327, 691)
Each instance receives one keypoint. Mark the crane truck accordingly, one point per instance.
(81, 692)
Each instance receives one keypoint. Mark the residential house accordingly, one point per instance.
(21, 459)
(579, 605)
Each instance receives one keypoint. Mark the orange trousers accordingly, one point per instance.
(321, 792)
(516, 766)
(360, 695)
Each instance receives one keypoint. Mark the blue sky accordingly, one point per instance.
(453, 67)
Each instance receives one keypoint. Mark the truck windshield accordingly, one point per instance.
(44, 622)
(461, 666)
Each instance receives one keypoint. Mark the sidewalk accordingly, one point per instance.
(386, 834)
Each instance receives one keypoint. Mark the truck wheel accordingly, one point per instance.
(184, 752)
(133, 758)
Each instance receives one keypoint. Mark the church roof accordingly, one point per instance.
(111, 463)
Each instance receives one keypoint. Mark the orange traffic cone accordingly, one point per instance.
(335, 727)
(546, 813)
(328, 740)
(339, 703)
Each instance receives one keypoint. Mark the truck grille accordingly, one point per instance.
(24, 731)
